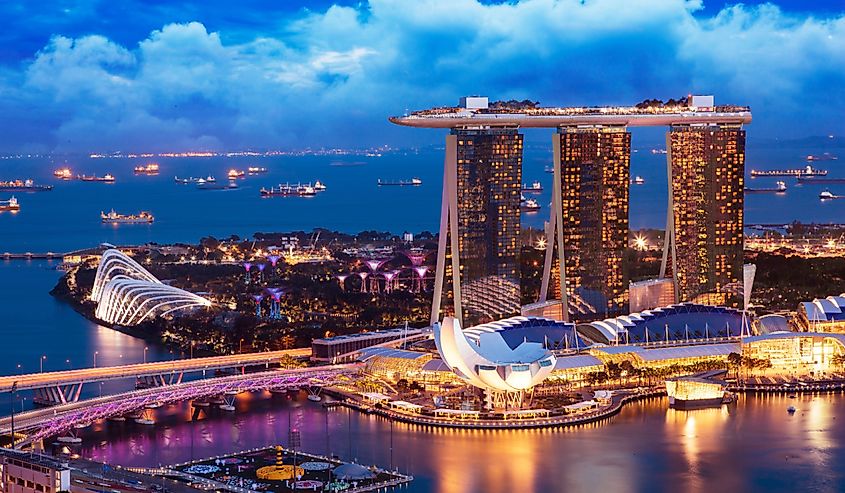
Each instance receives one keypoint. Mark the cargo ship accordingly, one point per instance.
(63, 174)
(319, 186)
(810, 180)
(142, 217)
(806, 171)
(400, 183)
(254, 170)
(695, 392)
(288, 190)
(824, 157)
(107, 178)
(10, 205)
(185, 181)
(23, 186)
(637, 180)
(203, 184)
(780, 187)
(149, 169)
(828, 195)
(234, 174)
(535, 187)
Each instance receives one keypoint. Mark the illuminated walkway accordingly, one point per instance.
(62, 387)
(42, 423)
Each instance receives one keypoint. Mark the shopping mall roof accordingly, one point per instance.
(384, 352)
(827, 309)
(786, 334)
(377, 334)
(672, 352)
(577, 361)
(683, 321)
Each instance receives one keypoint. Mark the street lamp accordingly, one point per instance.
(145, 353)
(241, 346)
(95, 358)
(192, 350)
(41, 363)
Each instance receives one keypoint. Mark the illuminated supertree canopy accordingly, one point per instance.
(273, 259)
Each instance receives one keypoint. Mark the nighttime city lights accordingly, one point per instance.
(447, 246)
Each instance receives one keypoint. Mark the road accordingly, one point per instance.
(99, 374)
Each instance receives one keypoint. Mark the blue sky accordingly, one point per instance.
(83, 76)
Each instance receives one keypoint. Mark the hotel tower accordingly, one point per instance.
(477, 275)
(706, 166)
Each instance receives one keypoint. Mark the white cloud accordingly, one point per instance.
(337, 74)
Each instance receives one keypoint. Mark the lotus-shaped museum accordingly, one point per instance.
(483, 357)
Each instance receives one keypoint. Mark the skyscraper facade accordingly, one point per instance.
(487, 196)
(707, 167)
(594, 188)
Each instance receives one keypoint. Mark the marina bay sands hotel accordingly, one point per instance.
(585, 276)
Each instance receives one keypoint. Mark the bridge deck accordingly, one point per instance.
(99, 374)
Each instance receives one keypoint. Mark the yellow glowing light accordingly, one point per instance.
(641, 243)
(541, 244)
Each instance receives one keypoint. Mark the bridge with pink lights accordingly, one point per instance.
(36, 425)
(62, 387)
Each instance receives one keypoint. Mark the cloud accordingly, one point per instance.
(331, 77)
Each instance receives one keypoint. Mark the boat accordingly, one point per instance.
(780, 187)
(10, 205)
(659, 151)
(806, 171)
(549, 169)
(203, 184)
(148, 169)
(142, 217)
(23, 186)
(289, 190)
(530, 205)
(63, 174)
(234, 174)
(828, 195)
(400, 183)
(185, 181)
(107, 178)
(314, 398)
(535, 187)
(319, 186)
(693, 392)
(254, 170)
(791, 409)
(637, 180)
(810, 180)
(823, 157)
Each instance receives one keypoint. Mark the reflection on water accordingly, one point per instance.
(752, 445)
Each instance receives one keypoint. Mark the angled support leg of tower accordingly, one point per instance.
(669, 245)
(448, 232)
(554, 235)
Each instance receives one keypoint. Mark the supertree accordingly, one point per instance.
(276, 297)
(248, 276)
(261, 268)
(341, 279)
(421, 271)
(388, 280)
(258, 298)
(374, 266)
(363, 276)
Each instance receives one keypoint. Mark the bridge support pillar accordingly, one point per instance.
(59, 394)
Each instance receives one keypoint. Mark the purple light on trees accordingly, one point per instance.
(421, 272)
(342, 280)
(363, 276)
(258, 298)
(273, 259)
(247, 266)
(261, 268)
(374, 264)
(275, 309)
(248, 276)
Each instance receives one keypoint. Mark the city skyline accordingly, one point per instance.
(184, 78)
